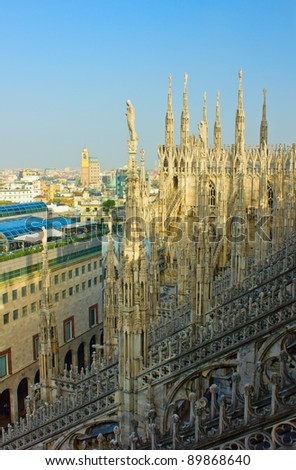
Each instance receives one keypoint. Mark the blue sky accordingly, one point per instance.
(68, 66)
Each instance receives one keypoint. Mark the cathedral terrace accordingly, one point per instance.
(196, 346)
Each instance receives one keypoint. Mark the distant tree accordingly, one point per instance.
(5, 203)
(108, 205)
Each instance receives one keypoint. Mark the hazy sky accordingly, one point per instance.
(68, 66)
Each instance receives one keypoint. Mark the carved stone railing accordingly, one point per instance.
(250, 316)
(85, 396)
(240, 422)
(51, 420)
(172, 320)
(102, 371)
(279, 436)
(159, 368)
(262, 417)
(274, 265)
(220, 285)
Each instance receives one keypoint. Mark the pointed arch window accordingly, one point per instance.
(287, 165)
(165, 164)
(212, 194)
(182, 165)
(270, 199)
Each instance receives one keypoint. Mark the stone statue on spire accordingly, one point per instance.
(131, 114)
(240, 77)
(185, 80)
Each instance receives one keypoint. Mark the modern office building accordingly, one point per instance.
(90, 174)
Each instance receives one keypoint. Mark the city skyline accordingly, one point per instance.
(71, 66)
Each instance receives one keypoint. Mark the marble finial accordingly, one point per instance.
(185, 80)
(240, 77)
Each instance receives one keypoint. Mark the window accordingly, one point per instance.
(93, 315)
(63, 294)
(24, 291)
(77, 288)
(3, 366)
(56, 279)
(32, 288)
(33, 307)
(95, 265)
(270, 196)
(56, 296)
(63, 277)
(89, 283)
(5, 362)
(5, 318)
(15, 314)
(40, 285)
(76, 272)
(70, 290)
(35, 347)
(68, 329)
(5, 298)
(95, 281)
(14, 294)
(70, 274)
(24, 311)
(83, 285)
(82, 269)
(212, 194)
(89, 267)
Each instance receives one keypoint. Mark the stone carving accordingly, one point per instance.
(202, 132)
(185, 80)
(131, 115)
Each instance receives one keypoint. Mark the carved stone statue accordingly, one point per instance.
(130, 114)
(202, 132)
